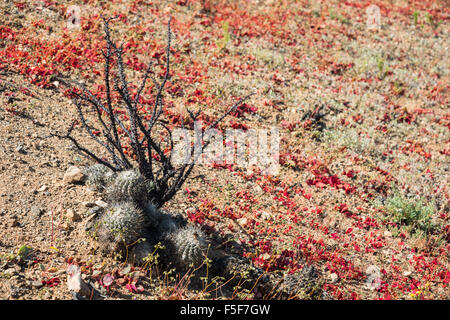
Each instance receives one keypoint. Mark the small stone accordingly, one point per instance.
(75, 283)
(10, 271)
(36, 211)
(258, 189)
(20, 149)
(94, 211)
(36, 284)
(101, 203)
(42, 188)
(89, 222)
(407, 273)
(73, 175)
(266, 216)
(243, 222)
(334, 278)
(72, 215)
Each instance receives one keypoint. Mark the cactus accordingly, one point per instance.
(121, 225)
(188, 246)
(129, 185)
(98, 176)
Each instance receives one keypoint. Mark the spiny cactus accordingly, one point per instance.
(98, 176)
(129, 185)
(121, 225)
(188, 246)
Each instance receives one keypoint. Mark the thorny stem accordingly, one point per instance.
(166, 178)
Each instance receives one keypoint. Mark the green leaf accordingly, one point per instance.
(24, 251)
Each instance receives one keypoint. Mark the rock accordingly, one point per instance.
(101, 203)
(74, 282)
(80, 290)
(266, 215)
(42, 188)
(301, 285)
(20, 149)
(243, 222)
(94, 211)
(10, 271)
(333, 278)
(73, 175)
(36, 211)
(36, 284)
(72, 215)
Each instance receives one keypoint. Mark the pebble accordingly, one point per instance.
(36, 211)
(36, 284)
(20, 149)
(334, 278)
(266, 216)
(243, 222)
(101, 203)
(10, 271)
(94, 211)
(73, 175)
(72, 215)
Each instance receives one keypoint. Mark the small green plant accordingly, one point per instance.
(416, 17)
(382, 68)
(340, 18)
(413, 213)
(222, 43)
(24, 252)
(432, 22)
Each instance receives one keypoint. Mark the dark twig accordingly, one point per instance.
(116, 131)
